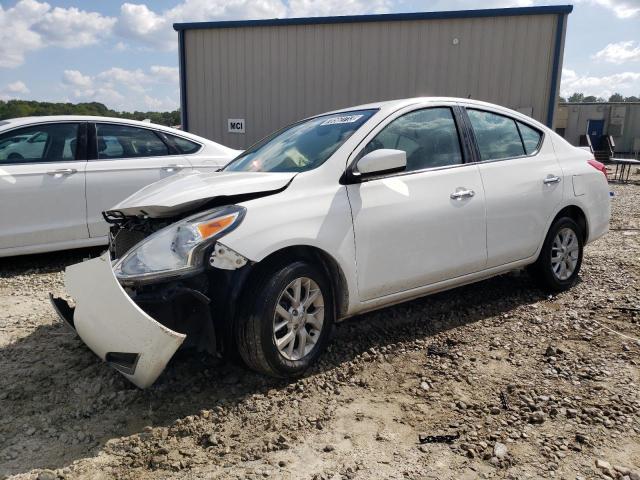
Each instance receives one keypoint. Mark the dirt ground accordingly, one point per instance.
(527, 385)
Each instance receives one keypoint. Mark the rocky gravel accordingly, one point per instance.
(492, 380)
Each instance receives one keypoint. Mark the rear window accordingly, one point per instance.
(497, 136)
(183, 145)
(530, 137)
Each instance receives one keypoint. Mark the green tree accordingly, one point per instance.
(632, 98)
(28, 108)
(576, 97)
(616, 97)
(590, 98)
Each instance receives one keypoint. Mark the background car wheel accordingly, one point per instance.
(560, 259)
(15, 156)
(288, 320)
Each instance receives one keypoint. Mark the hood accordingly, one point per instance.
(186, 191)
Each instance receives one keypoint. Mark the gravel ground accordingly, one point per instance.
(524, 384)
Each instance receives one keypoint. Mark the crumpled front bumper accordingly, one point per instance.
(113, 326)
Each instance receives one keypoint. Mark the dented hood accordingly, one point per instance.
(186, 191)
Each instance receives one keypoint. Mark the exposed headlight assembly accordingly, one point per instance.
(179, 248)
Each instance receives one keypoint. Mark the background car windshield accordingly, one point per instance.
(301, 146)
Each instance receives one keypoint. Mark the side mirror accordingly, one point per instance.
(383, 160)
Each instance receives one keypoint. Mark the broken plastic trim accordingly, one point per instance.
(123, 362)
(223, 258)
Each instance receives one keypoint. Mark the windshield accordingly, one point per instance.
(301, 146)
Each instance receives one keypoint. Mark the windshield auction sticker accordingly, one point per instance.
(343, 119)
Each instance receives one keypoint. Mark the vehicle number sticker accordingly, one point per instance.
(343, 119)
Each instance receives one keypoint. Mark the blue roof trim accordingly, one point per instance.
(184, 116)
(557, 52)
(386, 17)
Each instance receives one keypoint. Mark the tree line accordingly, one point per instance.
(581, 98)
(31, 108)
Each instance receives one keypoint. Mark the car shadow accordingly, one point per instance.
(60, 403)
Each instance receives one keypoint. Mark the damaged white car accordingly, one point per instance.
(332, 216)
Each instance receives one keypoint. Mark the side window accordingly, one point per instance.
(429, 137)
(497, 136)
(183, 145)
(530, 137)
(53, 142)
(123, 141)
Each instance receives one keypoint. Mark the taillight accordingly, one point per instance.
(598, 166)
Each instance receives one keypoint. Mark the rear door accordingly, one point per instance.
(42, 185)
(123, 159)
(522, 181)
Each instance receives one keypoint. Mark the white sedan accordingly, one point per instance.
(335, 215)
(59, 173)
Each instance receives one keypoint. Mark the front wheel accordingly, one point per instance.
(560, 259)
(288, 320)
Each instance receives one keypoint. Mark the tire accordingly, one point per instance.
(260, 327)
(15, 156)
(560, 275)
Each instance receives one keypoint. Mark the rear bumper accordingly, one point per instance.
(113, 326)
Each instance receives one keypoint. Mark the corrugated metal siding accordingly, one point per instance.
(271, 76)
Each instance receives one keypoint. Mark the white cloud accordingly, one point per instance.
(17, 87)
(139, 22)
(123, 89)
(621, 8)
(71, 27)
(163, 73)
(76, 79)
(13, 90)
(314, 8)
(31, 25)
(620, 52)
(626, 83)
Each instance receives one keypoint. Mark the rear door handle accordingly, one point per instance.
(172, 168)
(462, 193)
(550, 179)
(62, 171)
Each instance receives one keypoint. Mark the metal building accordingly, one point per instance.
(241, 80)
(603, 123)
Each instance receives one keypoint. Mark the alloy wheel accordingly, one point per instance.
(298, 319)
(565, 251)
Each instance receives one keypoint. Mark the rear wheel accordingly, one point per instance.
(560, 259)
(288, 321)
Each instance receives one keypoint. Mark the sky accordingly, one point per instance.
(125, 54)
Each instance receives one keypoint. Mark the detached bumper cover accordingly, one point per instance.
(113, 326)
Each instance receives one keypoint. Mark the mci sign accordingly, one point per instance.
(235, 125)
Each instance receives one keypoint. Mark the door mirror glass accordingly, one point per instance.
(383, 160)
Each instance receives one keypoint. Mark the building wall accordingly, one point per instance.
(573, 117)
(274, 75)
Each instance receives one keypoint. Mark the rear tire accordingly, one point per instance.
(287, 321)
(558, 264)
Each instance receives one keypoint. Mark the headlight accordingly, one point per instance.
(178, 248)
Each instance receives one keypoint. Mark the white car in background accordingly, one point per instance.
(59, 173)
(335, 215)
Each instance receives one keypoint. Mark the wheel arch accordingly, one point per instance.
(576, 214)
(318, 257)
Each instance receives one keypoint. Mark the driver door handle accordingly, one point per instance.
(550, 179)
(172, 168)
(62, 171)
(461, 193)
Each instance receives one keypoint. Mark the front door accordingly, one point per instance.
(595, 129)
(42, 185)
(125, 159)
(426, 224)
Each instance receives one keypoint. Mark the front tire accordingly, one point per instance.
(288, 320)
(559, 262)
